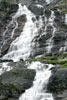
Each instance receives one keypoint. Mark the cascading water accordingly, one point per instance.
(62, 49)
(66, 18)
(50, 41)
(38, 90)
(21, 48)
(49, 1)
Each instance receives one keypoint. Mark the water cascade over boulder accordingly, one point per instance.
(33, 50)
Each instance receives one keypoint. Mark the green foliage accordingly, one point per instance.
(60, 60)
(62, 6)
(46, 58)
(63, 65)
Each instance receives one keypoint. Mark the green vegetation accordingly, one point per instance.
(62, 5)
(43, 58)
(60, 60)
(63, 65)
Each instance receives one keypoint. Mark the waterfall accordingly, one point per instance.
(66, 18)
(50, 41)
(38, 90)
(21, 48)
(65, 45)
(49, 1)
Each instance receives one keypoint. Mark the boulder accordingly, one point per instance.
(36, 10)
(6, 9)
(5, 47)
(59, 38)
(58, 84)
(6, 39)
(15, 82)
(47, 13)
(21, 22)
(24, 2)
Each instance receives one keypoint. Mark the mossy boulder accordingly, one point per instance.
(58, 84)
(15, 82)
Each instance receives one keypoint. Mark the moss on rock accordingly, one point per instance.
(14, 82)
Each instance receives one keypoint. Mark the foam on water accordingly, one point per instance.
(50, 41)
(49, 1)
(66, 18)
(21, 47)
(38, 90)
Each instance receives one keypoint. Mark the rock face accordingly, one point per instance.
(58, 84)
(53, 27)
(36, 10)
(52, 36)
(24, 2)
(15, 82)
(6, 35)
(6, 11)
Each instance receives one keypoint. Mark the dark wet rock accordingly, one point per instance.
(13, 8)
(58, 41)
(55, 49)
(15, 65)
(42, 42)
(22, 19)
(38, 2)
(42, 39)
(38, 51)
(47, 13)
(59, 14)
(25, 2)
(59, 38)
(15, 82)
(5, 47)
(59, 17)
(61, 96)
(36, 10)
(21, 22)
(6, 38)
(5, 60)
(49, 30)
(58, 84)
(7, 9)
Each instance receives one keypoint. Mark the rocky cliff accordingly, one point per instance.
(50, 43)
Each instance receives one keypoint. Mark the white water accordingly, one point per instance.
(66, 18)
(50, 41)
(21, 49)
(49, 1)
(38, 90)
(12, 22)
(65, 45)
(39, 6)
